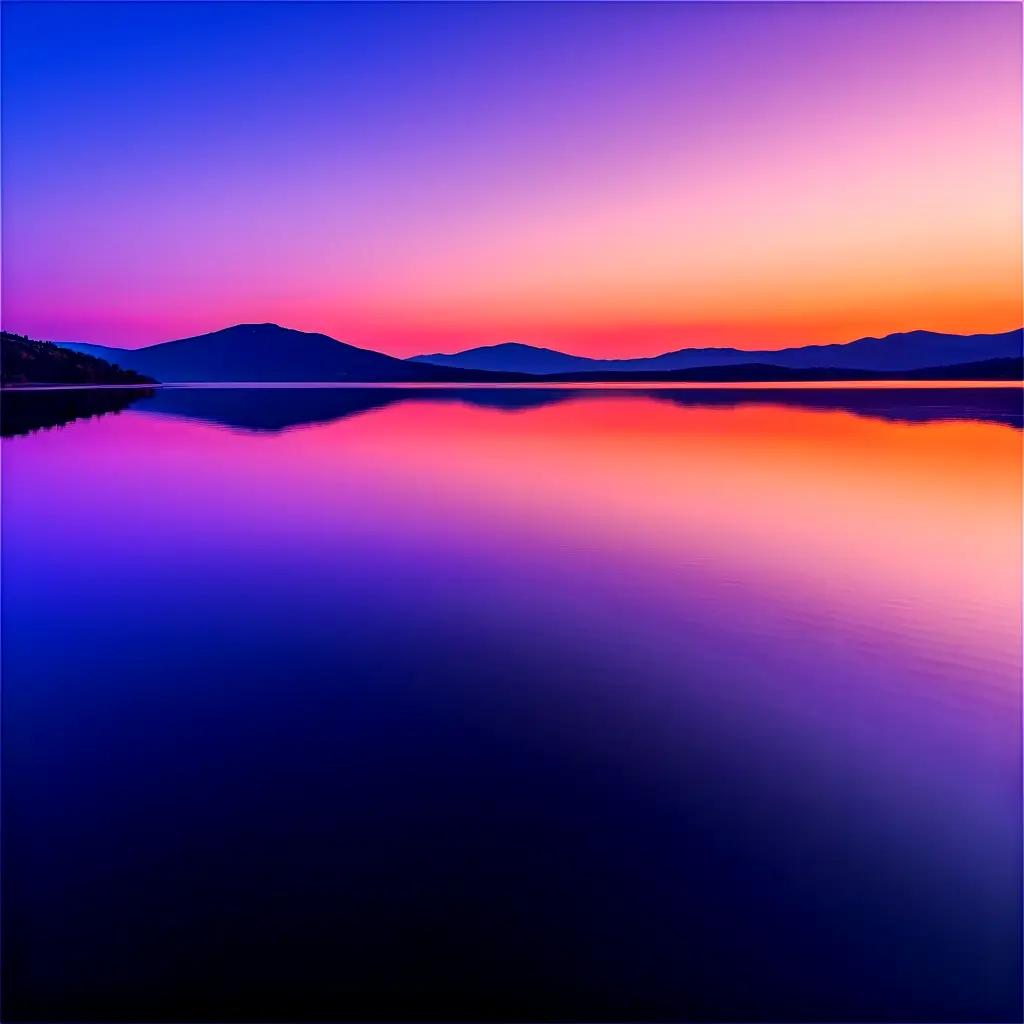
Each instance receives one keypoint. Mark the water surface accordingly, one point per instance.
(540, 705)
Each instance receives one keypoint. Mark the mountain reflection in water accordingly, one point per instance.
(490, 704)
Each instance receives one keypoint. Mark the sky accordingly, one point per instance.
(605, 179)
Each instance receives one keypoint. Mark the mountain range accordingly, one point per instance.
(260, 353)
(908, 351)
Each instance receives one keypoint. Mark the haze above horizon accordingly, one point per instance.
(606, 180)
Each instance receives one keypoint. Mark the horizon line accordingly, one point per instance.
(511, 341)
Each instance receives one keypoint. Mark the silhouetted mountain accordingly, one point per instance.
(262, 353)
(908, 351)
(1009, 368)
(510, 357)
(24, 361)
(987, 369)
(256, 353)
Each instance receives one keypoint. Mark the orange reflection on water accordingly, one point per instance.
(916, 522)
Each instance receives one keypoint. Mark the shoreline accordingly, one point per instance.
(775, 385)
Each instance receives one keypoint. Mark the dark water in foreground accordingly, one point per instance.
(383, 704)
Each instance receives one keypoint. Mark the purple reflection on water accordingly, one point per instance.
(580, 706)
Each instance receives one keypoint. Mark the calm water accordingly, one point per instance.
(541, 705)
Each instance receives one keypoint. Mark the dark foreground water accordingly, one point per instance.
(365, 704)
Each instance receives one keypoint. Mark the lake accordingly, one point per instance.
(680, 704)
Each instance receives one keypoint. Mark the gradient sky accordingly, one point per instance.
(606, 179)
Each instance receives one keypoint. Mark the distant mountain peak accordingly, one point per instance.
(504, 355)
(261, 352)
(519, 346)
(255, 352)
(266, 328)
(908, 350)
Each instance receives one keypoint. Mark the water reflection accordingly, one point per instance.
(280, 408)
(26, 411)
(620, 707)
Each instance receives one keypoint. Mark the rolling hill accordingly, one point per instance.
(896, 352)
(512, 357)
(259, 353)
(26, 362)
(753, 373)
(262, 353)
